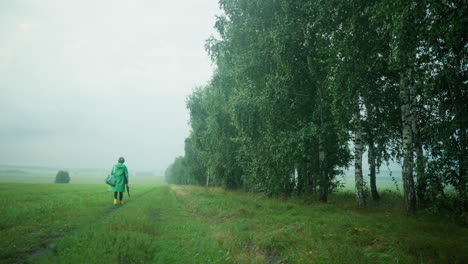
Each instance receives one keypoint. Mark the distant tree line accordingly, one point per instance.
(308, 86)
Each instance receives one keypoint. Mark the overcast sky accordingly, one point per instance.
(84, 82)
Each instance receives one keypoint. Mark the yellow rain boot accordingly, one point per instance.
(116, 201)
(121, 202)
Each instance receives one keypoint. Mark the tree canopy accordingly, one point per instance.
(62, 177)
(302, 88)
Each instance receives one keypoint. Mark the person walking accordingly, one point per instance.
(120, 173)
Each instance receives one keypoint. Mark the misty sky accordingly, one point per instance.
(84, 82)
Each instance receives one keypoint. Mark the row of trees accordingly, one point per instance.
(307, 86)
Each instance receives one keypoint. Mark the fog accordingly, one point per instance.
(84, 82)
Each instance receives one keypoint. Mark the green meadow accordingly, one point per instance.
(77, 223)
(11, 174)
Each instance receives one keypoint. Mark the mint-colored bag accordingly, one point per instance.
(110, 180)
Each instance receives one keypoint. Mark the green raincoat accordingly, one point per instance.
(120, 173)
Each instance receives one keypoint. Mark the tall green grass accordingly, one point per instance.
(255, 229)
(52, 223)
(79, 224)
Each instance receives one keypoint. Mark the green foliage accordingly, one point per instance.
(176, 173)
(62, 177)
(296, 80)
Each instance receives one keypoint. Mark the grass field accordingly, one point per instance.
(9, 174)
(385, 180)
(73, 223)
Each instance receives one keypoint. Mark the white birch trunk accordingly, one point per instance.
(407, 173)
(358, 150)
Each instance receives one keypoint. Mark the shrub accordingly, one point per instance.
(62, 177)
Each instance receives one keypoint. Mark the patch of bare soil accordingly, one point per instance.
(48, 241)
